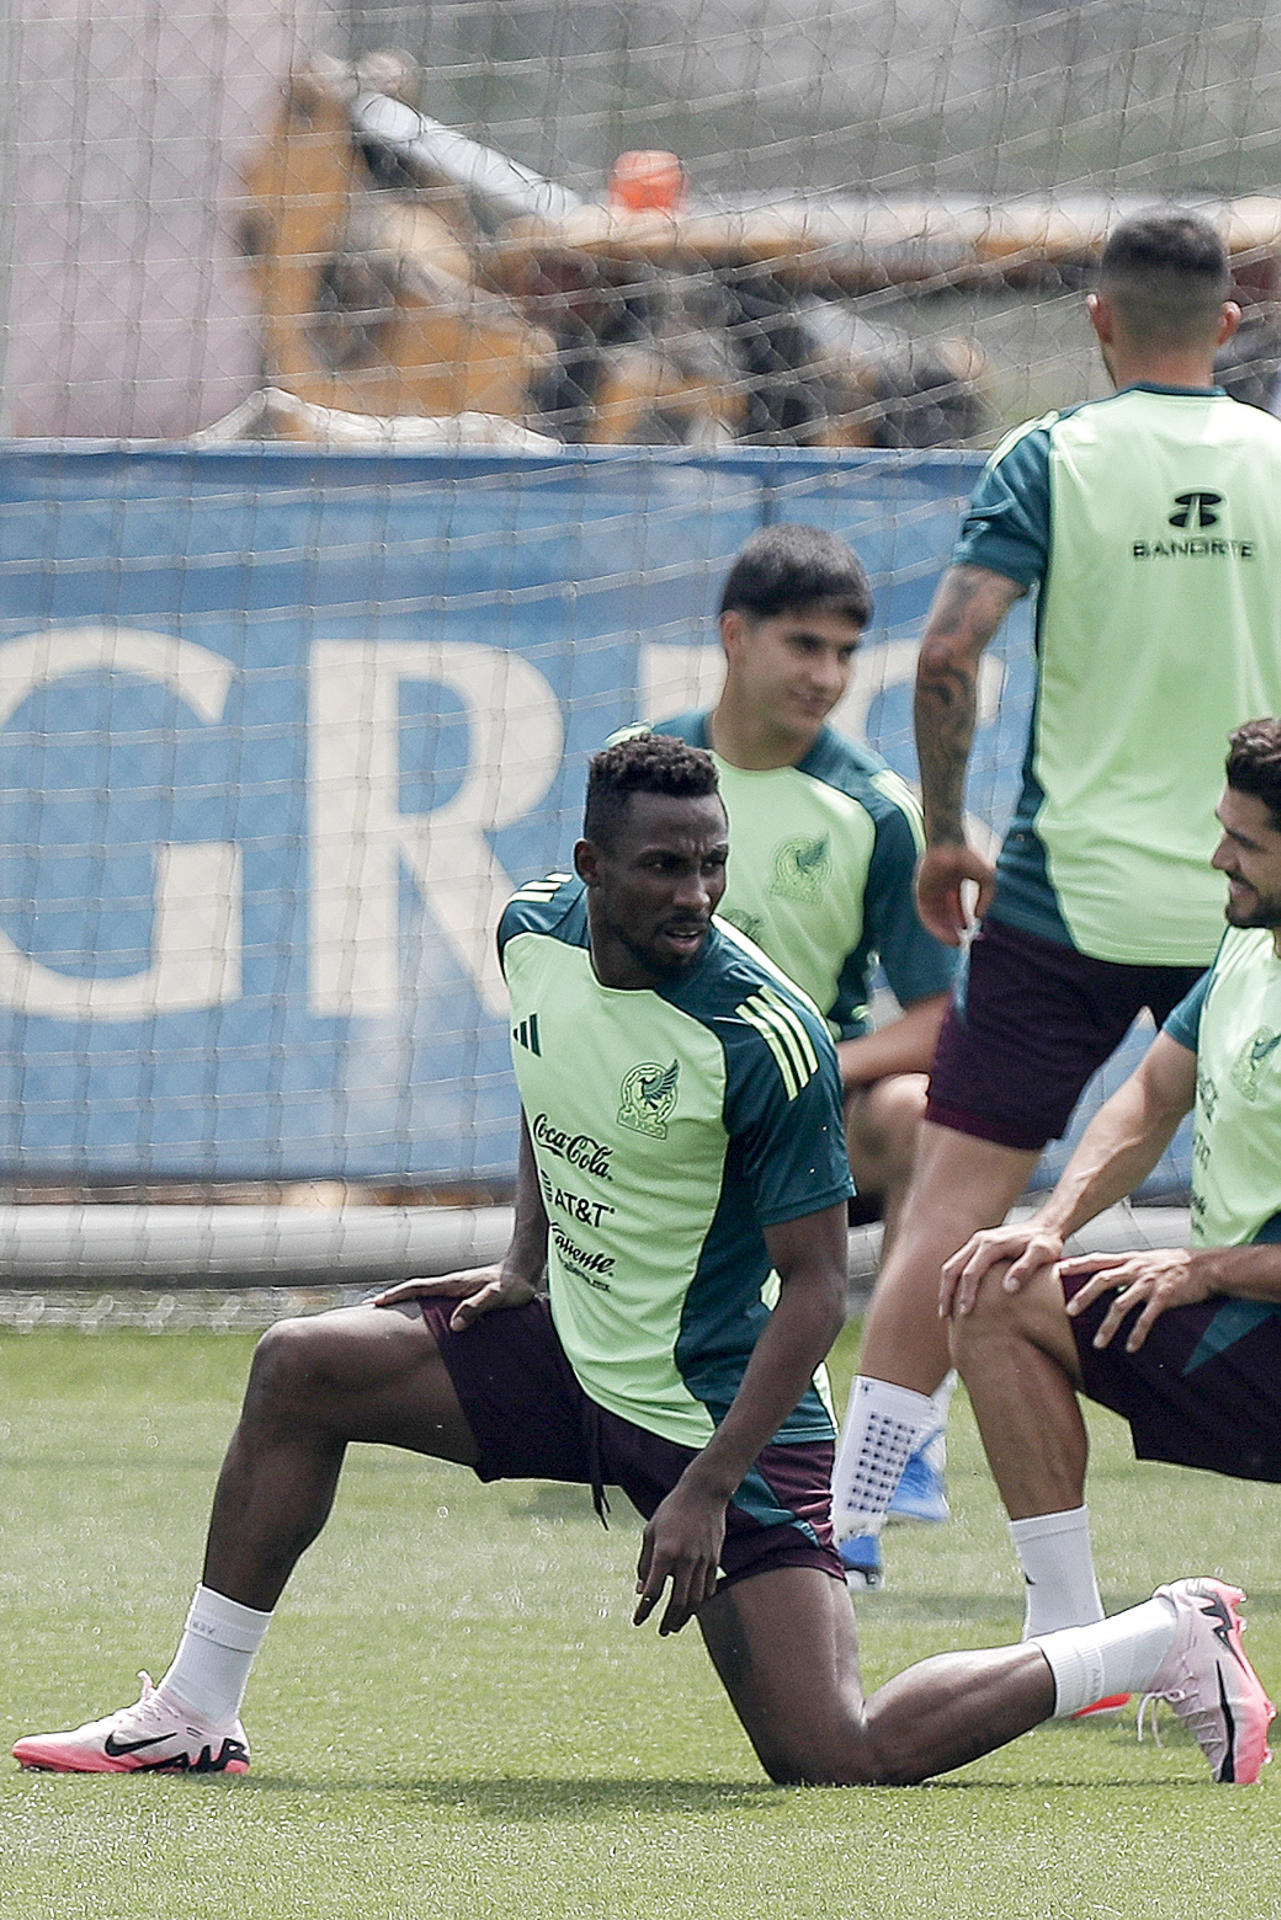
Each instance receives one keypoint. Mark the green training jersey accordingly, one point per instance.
(1151, 524)
(669, 1127)
(821, 861)
(1232, 1021)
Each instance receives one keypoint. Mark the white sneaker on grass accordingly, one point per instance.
(1210, 1685)
(148, 1737)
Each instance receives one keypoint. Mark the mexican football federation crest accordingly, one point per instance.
(1256, 1052)
(801, 869)
(648, 1097)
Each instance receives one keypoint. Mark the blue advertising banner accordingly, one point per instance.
(280, 730)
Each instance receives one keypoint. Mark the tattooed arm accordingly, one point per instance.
(969, 606)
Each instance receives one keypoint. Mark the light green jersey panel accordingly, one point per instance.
(821, 861)
(648, 1096)
(799, 854)
(1156, 639)
(668, 1128)
(1159, 630)
(1236, 1160)
(1150, 525)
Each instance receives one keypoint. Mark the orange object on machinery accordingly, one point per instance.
(646, 182)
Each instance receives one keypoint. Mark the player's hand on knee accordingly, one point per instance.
(1027, 1248)
(478, 1290)
(682, 1543)
(1151, 1282)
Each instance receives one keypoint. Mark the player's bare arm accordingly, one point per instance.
(968, 608)
(682, 1541)
(514, 1280)
(1115, 1154)
(903, 1045)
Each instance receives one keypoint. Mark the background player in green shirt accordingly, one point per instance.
(824, 843)
(1149, 524)
(1185, 1344)
(723, 1136)
(825, 837)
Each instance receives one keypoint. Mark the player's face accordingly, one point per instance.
(791, 668)
(1249, 853)
(652, 890)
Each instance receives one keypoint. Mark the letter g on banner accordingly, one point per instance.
(195, 946)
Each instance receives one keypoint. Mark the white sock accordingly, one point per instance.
(879, 1431)
(1120, 1655)
(941, 1399)
(1058, 1567)
(211, 1667)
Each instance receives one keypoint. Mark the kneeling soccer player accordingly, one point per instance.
(682, 1164)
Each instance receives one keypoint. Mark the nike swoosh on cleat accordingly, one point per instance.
(117, 1749)
(1228, 1772)
(1215, 1610)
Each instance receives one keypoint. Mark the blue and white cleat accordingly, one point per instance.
(861, 1556)
(921, 1493)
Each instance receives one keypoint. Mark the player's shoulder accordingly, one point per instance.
(1028, 439)
(853, 768)
(1243, 949)
(755, 1010)
(553, 905)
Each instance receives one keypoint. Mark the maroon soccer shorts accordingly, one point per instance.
(532, 1421)
(1029, 1023)
(1204, 1389)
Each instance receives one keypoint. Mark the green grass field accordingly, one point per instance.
(453, 1716)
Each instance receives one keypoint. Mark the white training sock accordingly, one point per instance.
(211, 1667)
(1120, 1655)
(1058, 1567)
(879, 1431)
(941, 1398)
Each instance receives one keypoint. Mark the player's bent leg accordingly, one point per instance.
(882, 1125)
(1017, 1357)
(785, 1646)
(961, 1183)
(317, 1384)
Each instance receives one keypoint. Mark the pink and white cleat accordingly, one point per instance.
(1209, 1683)
(149, 1737)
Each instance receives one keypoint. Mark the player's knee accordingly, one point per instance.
(998, 1322)
(883, 1125)
(856, 1758)
(285, 1359)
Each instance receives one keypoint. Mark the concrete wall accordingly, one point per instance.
(129, 314)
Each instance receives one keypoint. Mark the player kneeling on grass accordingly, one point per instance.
(682, 1164)
(1185, 1344)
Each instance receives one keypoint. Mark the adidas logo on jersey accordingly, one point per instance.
(526, 1035)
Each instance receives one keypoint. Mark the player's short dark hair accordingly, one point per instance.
(1254, 764)
(788, 566)
(642, 763)
(1167, 273)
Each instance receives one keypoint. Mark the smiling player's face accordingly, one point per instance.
(653, 887)
(791, 668)
(1249, 853)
